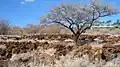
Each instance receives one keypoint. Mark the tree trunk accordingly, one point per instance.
(77, 40)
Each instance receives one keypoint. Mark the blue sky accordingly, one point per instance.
(23, 12)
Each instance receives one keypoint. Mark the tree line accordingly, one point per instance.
(7, 29)
(107, 23)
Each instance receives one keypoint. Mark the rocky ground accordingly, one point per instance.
(47, 50)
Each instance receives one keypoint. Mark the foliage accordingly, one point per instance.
(117, 24)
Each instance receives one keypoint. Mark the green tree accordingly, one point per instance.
(117, 23)
(108, 23)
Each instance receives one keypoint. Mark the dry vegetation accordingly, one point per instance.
(51, 45)
(57, 50)
(110, 31)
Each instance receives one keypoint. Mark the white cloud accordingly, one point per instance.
(29, 0)
(26, 1)
(22, 2)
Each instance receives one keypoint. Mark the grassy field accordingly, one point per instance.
(60, 50)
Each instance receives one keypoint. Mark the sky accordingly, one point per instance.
(23, 12)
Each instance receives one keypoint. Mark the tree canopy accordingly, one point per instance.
(78, 18)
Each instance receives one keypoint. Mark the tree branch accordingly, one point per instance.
(60, 24)
(70, 28)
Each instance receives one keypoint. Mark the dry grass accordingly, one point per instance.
(49, 56)
(32, 60)
(113, 31)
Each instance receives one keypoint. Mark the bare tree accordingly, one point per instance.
(32, 29)
(16, 30)
(78, 18)
(4, 27)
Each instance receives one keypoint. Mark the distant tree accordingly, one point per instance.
(96, 23)
(15, 30)
(78, 18)
(51, 29)
(108, 23)
(99, 23)
(117, 23)
(4, 27)
(32, 29)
